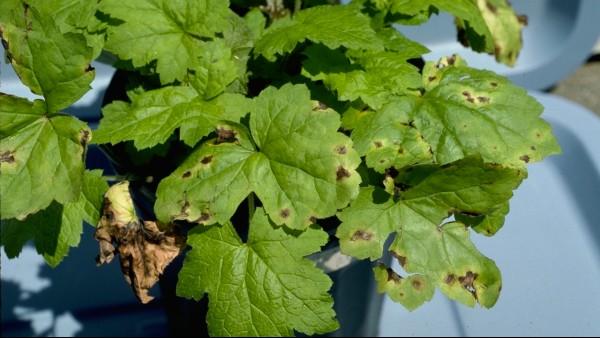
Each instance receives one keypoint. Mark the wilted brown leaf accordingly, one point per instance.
(144, 250)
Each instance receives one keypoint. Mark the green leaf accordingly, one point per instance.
(41, 157)
(260, 288)
(153, 116)
(374, 78)
(411, 291)
(424, 198)
(303, 169)
(51, 63)
(184, 37)
(57, 228)
(332, 26)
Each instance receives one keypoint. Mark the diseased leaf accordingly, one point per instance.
(469, 112)
(185, 38)
(389, 138)
(51, 63)
(424, 198)
(145, 250)
(485, 25)
(260, 288)
(302, 170)
(154, 115)
(465, 112)
(41, 157)
(332, 26)
(411, 291)
(57, 228)
(505, 28)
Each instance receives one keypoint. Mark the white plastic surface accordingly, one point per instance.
(548, 250)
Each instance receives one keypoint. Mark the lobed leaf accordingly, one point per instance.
(422, 199)
(302, 169)
(57, 228)
(260, 288)
(41, 157)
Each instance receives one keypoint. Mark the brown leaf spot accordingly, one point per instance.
(392, 276)
(470, 99)
(360, 235)
(494, 84)
(342, 150)
(483, 99)
(466, 94)
(417, 284)
(312, 220)
(84, 137)
(533, 148)
(467, 282)
(89, 68)
(452, 60)
(401, 259)
(450, 279)
(431, 78)
(186, 174)
(204, 216)
(491, 7)
(206, 159)
(320, 106)
(524, 158)
(341, 173)
(523, 19)
(378, 144)
(7, 157)
(497, 50)
(225, 135)
(284, 213)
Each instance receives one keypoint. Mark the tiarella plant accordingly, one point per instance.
(302, 112)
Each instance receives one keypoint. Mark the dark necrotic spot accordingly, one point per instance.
(378, 144)
(320, 106)
(7, 157)
(206, 159)
(470, 99)
(524, 158)
(84, 137)
(533, 148)
(342, 173)
(284, 213)
(466, 93)
(483, 99)
(417, 284)
(89, 68)
(204, 216)
(450, 279)
(186, 174)
(494, 84)
(342, 150)
(361, 235)
(392, 276)
(431, 78)
(225, 135)
(312, 219)
(523, 19)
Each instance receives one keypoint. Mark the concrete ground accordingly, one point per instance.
(583, 86)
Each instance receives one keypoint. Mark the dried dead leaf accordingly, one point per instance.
(144, 249)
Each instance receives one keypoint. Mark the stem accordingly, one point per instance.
(251, 206)
(297, 6)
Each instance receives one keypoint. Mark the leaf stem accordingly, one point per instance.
(251, 206)
(297, 6)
